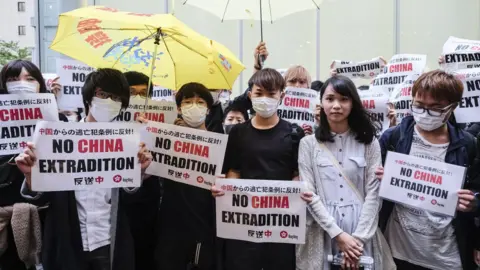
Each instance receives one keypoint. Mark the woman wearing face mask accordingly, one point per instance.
(187, 214)
(338, 166)
(16, 77)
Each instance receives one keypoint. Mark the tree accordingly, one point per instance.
(11, 51)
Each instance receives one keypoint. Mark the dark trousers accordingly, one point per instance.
(404, 265)
(176, 253)
(242, 255)
(98, 259)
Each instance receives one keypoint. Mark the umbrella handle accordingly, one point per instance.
(156, 42)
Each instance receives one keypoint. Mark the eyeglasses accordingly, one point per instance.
(431, 112)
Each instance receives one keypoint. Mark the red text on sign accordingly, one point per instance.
(155, 117)
(100, 145)
(20, 114)
(270, 202)
(428, 177)
(368, 104)
(296, 102)
(401, 67)
(191, 148)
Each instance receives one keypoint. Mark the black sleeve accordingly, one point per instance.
(474, 129)
(214, 120)
(232, 160)
(243, 101)
(62, 117)
(297, 136)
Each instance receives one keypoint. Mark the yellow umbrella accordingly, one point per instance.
(159, 46)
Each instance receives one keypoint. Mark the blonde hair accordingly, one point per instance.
(298, 72)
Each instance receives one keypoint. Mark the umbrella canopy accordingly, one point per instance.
(157, 45)
(250, 9)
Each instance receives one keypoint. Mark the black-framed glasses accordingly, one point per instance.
(431, 112)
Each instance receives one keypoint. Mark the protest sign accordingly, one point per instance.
(376, 102)
(262, 211)
(72, 75)
(282, 71)
(49, 78)
(461, 53)
(397, 70)
(468, 111)
(298, 106)
(75, 156)
(402, 99)
(186, 155)
(422, 183)
(363, 70)
(157, 111)
(19, 114)
(160, 93)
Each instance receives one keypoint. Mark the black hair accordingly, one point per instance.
(268, 79)
(191, 90)
(137, 78)
(316, 85)
(13, 70)
(360, 121)
(108, 80)
(363, 87)
(235, 107)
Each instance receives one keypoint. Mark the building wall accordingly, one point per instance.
(11, 18)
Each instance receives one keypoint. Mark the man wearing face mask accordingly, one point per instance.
(187, 213)
(421, 239)
(234, 115)
(264, 148)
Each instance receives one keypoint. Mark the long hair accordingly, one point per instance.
(360, 121)
(13, 70)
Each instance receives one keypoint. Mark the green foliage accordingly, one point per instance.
(11, 51)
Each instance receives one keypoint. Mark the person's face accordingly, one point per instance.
(104, 95)
(258, 92)
(190, 102)
(25, 76)
(300, 82)
(426, 101)
(139, 90)
(234, 118)
(336, 107)
(72, 116)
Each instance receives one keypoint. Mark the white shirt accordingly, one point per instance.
(421, 237)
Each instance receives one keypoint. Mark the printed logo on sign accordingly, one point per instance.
(117, 178)
(283, 234)
(434, 202)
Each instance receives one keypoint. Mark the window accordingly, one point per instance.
(22, 30)
(21, 6)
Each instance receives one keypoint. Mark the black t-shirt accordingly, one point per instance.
(269, 154)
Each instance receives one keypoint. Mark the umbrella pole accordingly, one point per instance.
(157, 42)
(262, 58)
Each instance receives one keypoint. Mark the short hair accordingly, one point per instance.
(14, 68)
(235, 107)
(440, 85)
(268, 79)
(108, 80)
(316, 85)
(138, 78)
(191, 90)
(298, 72)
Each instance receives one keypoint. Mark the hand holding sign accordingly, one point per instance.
(466, 200)
(25, 162)
(144, 157)
(216, 192)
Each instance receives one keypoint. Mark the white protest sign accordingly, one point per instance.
(19, 114)
(364, 70)
(461, 53)
(397, 70)
(75, 156)
(72, 75)
(49, 78)
(157, 111)
(298, 106)
(402, 99)
(261, 211)
(186, 155)
(376, 102)
(468, 110)
(160, 93)
(422, 183)
(282, 71)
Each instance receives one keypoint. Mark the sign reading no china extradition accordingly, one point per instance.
(18, 115)
(72, 75)
(422, 183)
(74, 156)
(298, 106)
(261, 211)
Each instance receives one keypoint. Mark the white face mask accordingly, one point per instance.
(265, 106)
(72, 118)
(17, 87)
(428, 122)
(105, 110)
(194, 115)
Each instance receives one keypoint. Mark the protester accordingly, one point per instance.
(317, 85)
(187, 215)
(65, 115)
(421, 239)
(233, 115)
(264, 148)
(79, 224)
(216, 113)
(16, 77)
(338, 165)
(142, 207)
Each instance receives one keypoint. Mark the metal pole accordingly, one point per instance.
(240, 53)
(317, 36)
(396, 26)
